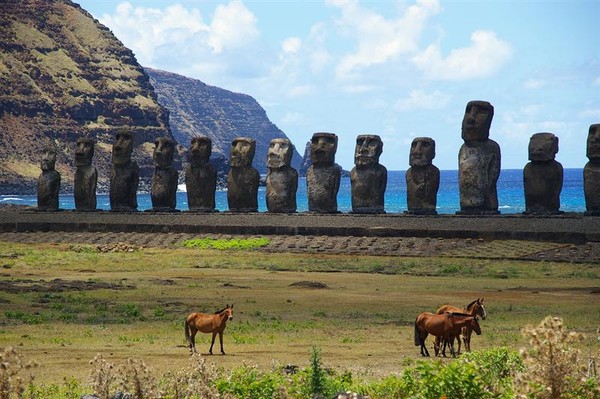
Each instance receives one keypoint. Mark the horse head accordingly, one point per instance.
(475, 325)
(481, 309)
(229, 312)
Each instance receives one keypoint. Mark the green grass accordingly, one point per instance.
(133, 305)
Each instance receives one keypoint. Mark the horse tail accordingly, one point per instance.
(186, 328)
(418, 340)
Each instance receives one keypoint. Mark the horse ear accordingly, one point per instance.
(481, 300)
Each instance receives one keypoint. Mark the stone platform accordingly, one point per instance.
(565, 228)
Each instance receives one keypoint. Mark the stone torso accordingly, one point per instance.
(124, 180)
(201, 184)
(368, 189)
(478, 171)
(164, 188)
(591, 187)
(48, 189)
(242, 189)
(422, 184)
(86, 178)
(282, 185)
(542, 182)
(323, 185)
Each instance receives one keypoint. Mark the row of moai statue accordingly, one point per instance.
(479, 169)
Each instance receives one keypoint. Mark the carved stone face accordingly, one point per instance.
(322, 149)
(84, 152)
(48, 159)
(242, 152)
(368, 149)
(200, 150)
(422, 151)
(280, 153)
(477, 121)
(543, 147)
(164, 148)
(122, 148)
(593, 142)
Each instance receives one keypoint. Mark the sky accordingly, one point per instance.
(398, 69)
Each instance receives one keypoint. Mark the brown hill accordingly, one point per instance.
(62, 76)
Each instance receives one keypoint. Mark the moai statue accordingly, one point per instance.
(163, 192)
(282, 179)
(323, 176)
(543, 176)
(49, 181)
(422, 178)
(200, 176)
(86, 176)
(368, 178)
(591, 172)
(242, 179)
(124, 176)
(478, 162)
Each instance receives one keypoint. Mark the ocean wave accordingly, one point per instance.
(11, 199)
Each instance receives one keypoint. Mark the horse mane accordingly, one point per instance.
(220, 311)
(459, 314)
(471, 304)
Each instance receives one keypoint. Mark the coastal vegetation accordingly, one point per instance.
(70, 312)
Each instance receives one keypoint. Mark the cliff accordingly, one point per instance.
(198, 109)
(63, 75)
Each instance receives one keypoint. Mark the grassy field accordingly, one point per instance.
(61, 304)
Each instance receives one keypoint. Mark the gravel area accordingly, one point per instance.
(369, 246)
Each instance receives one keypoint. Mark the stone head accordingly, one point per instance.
(323, 147)
(280, 153)
(200, 150)
(242, 152)
(48, 158)
(84, 152)
(543, 147)
(593, 142)
(368, 149)
(122, 148)
(422, 151)
(477, 121)
(164, 149)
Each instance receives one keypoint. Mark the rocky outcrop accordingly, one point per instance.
(63, 75)
(198, 109)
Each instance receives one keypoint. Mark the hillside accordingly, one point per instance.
(63, 75)
(200, 109)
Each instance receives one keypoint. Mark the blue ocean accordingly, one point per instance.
(511, 198)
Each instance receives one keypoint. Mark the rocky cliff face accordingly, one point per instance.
(62, 76)
(197, 109)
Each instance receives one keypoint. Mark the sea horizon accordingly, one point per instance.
(511, 197)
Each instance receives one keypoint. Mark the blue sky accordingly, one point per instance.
(399, 69)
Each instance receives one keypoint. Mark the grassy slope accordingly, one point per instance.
(362, 321)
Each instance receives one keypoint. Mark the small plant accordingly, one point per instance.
(318, 378)
(554, 368)
(11, 383)
(226, 244)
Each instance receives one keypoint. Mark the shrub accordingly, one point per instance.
(226, 244)
(553, 368)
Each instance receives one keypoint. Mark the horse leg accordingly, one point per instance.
(424, 350)
(221, 341)
(214, 335)
(436, 346)
(193, 341)
(467, 339)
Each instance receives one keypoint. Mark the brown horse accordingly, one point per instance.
(442, 325)
(474, 308)
(207, 323)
